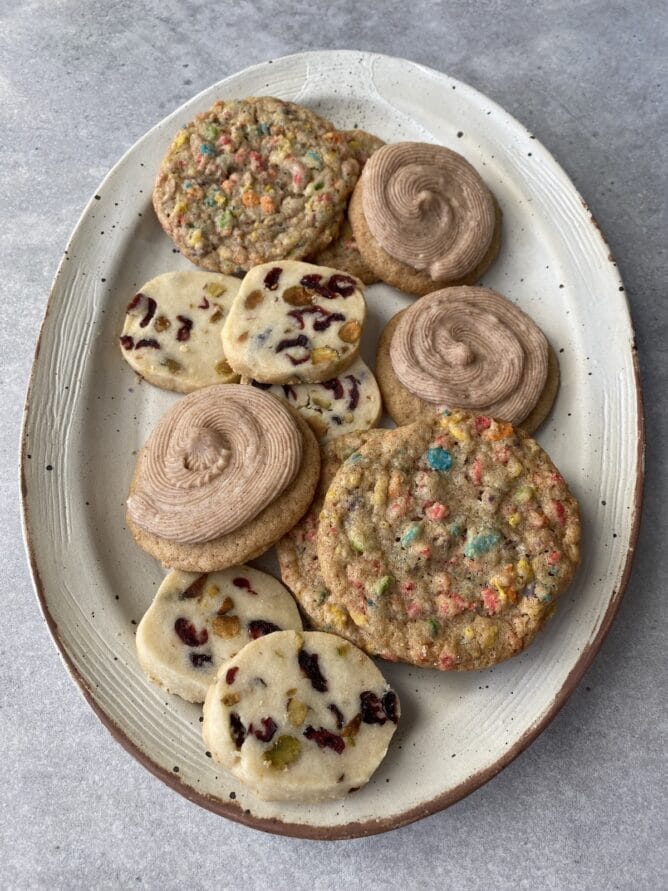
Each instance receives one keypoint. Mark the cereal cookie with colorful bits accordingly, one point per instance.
(294, 323)
(449, 540)
(171, 334)
(253, 180)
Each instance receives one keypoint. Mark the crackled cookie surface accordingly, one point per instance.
(171, 334)
(449, 540)
(253, 180)
(335, 407)
(300, 716)
(197, 621)
(293, 322)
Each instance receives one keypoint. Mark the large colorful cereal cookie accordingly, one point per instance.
(253, 180)
(224, 474)
(298, 554)
(449, 540)
(337, 406)
(294, 323)
(343, 252)
(300, 716)
(467, 348)
(423, 218)
(196, 622)
(171, 334)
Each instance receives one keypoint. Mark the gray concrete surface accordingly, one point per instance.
(585, 806)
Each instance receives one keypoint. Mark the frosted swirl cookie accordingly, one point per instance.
(334, 407)
(466, 348)
(196, 622)
(253, 180)
(303, 717)
(423, 218)
(449, 540)
(224, 474)
(294, 323)
(171, 333)
(298, 554)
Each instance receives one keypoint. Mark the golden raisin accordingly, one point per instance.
(297, 296)
(254, 299)
(162, 323)
(226, 626)
(350, 332)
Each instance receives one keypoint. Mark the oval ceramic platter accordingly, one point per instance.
(88, 414)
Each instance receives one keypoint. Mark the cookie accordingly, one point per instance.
(449, 540)
(343, 252)
(224, 474)
(300, 716)
(466, 348)
(294, 323)
(254, 180)
(298, 555)
(423, 218)
(171, 333)
(334, 407)
(197, 622)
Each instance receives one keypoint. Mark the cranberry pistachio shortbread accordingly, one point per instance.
(171, 334)
(294, 323)
(253, 180)
(196, 622)
(466, 348)
(332, 408)
(300, 716)
(449, 540)
(224, 474)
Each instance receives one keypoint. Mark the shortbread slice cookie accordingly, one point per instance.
(171, 334)
(300, 716)
(294, 323)
(333, 408)
(196, 622)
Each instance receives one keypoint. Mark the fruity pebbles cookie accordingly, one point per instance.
(449, 540)
(253, 180)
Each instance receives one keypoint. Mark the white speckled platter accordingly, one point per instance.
(88, 414)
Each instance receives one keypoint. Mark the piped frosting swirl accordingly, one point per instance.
(471, 348)
(213, 463)
(428, 208)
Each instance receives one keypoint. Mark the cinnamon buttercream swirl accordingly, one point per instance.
(471, 348)
(214, 462)
(428, 208)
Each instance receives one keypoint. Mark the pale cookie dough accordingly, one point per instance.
(300, 716)
(294, 323)
(196, 622)
(332, 408)
(171, 334)
(449, 540)
(253, 180)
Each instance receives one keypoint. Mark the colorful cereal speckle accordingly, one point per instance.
(439, 459)
(481, 544)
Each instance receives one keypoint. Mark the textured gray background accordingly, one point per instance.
(585, 806)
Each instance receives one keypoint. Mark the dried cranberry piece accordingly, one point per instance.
(258, 628)
(184, 331)
(134, 302)
(298, 314)
(195, 589)
(127, 342)
(230, 674)
(272, 277)
(147, 342)
(204, 304)
(297, 361)
(391, 706)
(237, 730)
(300, 341)
(270, 727)
(335, 386)
(198, 659)
(325, 739)
(342, 284)
(189, 634)
(150, 312)
(308, 662)
(372, 708)
(338, 714)
(354, 392)
(314, 282)
(241, 582)
(260, 385)
(323, 324)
